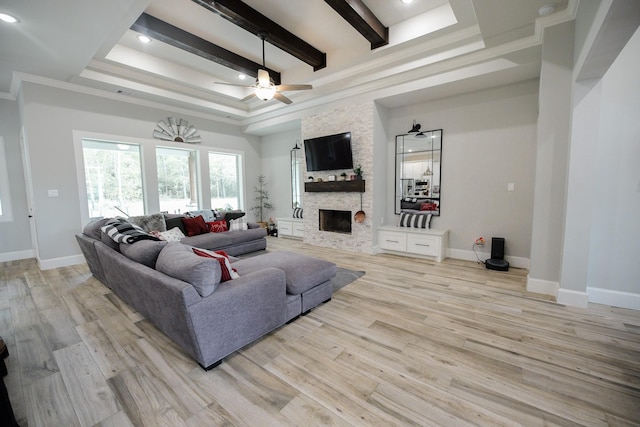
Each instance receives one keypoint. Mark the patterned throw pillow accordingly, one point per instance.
(173, 235)
(237, 225)
(195, 226)
(429, 206)
(217, 226)
(297, 212)
(415, 220)
(228, 272)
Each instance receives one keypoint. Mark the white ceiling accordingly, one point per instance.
(437, 48)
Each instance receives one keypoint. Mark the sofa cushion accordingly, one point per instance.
(145, 251)
(209, 240)
(302, 272)
(179, 261)
(227, 272)
(195, 226)
(247, 235)
(104, 238)
(94, 228)
(149, 222)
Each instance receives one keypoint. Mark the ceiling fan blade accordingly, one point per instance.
(294, 87)
(248, 97)
(280, 97)
(263, 78)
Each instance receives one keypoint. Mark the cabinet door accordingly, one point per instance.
(285, 228)
(393, 241)
(298, 229)
(423, 245)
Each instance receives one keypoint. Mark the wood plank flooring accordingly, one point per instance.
(412, 342)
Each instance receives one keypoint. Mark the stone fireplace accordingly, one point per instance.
(334, 221)
(357, 119)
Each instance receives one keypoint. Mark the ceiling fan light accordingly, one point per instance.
(265, 93)
(263, 78)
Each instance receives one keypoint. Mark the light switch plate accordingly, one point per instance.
(511, 186)
(53, 193)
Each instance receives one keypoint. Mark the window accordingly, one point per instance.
(177, 179)
(5, 195)
(224, 180)
(113, 175)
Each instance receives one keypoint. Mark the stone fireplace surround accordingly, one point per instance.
(357, 119)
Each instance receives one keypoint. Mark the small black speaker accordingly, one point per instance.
(497, 261)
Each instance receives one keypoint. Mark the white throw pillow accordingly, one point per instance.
(173, 235)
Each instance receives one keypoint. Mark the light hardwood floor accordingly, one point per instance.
(410, 343)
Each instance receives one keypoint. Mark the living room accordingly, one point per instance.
(566, 139)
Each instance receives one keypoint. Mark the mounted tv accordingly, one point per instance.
(329, 152)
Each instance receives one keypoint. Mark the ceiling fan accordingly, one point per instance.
(265, 89)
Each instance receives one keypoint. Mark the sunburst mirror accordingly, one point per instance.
(177, 130)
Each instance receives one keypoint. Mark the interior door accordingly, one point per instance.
(26, 167)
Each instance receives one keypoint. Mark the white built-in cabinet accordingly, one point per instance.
(290, 227)
(408, 241)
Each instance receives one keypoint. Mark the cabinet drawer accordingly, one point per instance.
(393, 241)
(424, 245)
(285, 228)
(298, 230)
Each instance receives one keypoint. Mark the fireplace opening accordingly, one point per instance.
(335, 221)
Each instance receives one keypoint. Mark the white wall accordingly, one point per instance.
(51, 115)
(488, 141)
(15, 237)
(276, 164)
(615, 228)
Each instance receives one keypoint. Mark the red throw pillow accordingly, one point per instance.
(195, 226)
(217, 226)
(428, 207)
(228, 272)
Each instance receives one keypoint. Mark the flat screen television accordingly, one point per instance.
(329, 152)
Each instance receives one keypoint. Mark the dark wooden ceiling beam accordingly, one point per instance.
(253, 21)
(174, 36)
(356, 13)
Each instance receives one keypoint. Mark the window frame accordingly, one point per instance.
(149, 169)
(240, 165)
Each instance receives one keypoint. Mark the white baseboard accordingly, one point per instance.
(515, 262)
(539, 286)
(614, 298)
(48, 264)
(572, 298)
(14, 256)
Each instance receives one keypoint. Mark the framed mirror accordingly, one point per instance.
(418, 166)
(296, 174)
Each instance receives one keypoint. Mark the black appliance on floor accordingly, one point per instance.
(497, 262)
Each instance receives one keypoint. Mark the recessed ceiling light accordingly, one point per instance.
(7, 18)
(547, 9)
(407, 1)
(144, 39)
(242, 76)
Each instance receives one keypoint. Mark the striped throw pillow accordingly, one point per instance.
(297, 212)
(415, 220)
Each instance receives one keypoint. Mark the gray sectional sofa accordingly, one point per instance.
(181, 293)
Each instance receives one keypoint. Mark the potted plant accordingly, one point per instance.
(261, 198)
(358, 171)
(344, 176)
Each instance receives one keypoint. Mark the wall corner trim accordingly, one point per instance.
(540, 286)
(572, 298)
